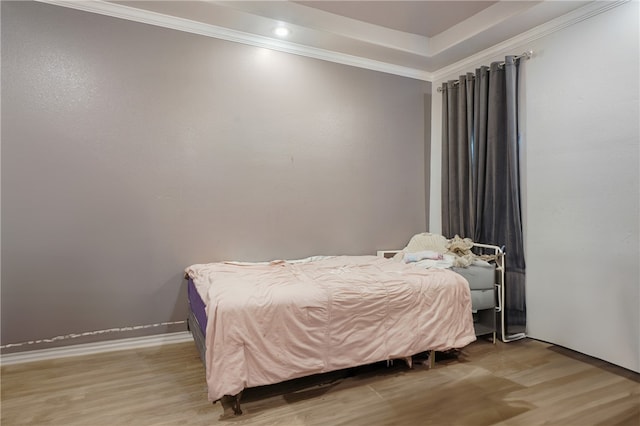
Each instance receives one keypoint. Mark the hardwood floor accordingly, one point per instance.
(520, 383)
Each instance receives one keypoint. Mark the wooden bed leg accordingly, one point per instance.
(432, 359)
(230, 406)
(236, 404)
(409, 361)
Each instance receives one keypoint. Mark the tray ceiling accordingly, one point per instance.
(419, 39)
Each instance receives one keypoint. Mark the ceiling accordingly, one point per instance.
(411, 38)
(425, 18)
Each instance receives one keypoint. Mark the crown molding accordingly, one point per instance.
(342, 26)
(588, 11)
(95, 348)
(181, 24)
(475, 25)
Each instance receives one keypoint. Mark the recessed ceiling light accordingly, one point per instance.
(282, 31)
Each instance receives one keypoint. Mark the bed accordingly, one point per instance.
(263, 323)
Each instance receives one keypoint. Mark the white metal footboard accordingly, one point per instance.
(500, 267)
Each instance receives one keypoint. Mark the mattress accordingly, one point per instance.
(196, 304)
(480, 276)
(481, 280)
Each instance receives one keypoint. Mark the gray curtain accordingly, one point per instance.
(457, 137)
(481, 173)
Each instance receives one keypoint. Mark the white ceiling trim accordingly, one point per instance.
(506, 47)
(327, 22)
(476, 24)
(214, 31)
(158, 19)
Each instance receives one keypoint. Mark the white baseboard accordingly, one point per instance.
(95, 348)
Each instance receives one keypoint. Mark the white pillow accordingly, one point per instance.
(420, 255)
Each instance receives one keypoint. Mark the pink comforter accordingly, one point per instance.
(276, 321)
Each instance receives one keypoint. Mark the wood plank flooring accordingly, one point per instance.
(520, 383)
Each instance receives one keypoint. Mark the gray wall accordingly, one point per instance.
(131, 151)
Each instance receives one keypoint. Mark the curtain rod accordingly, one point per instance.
(528, 54)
